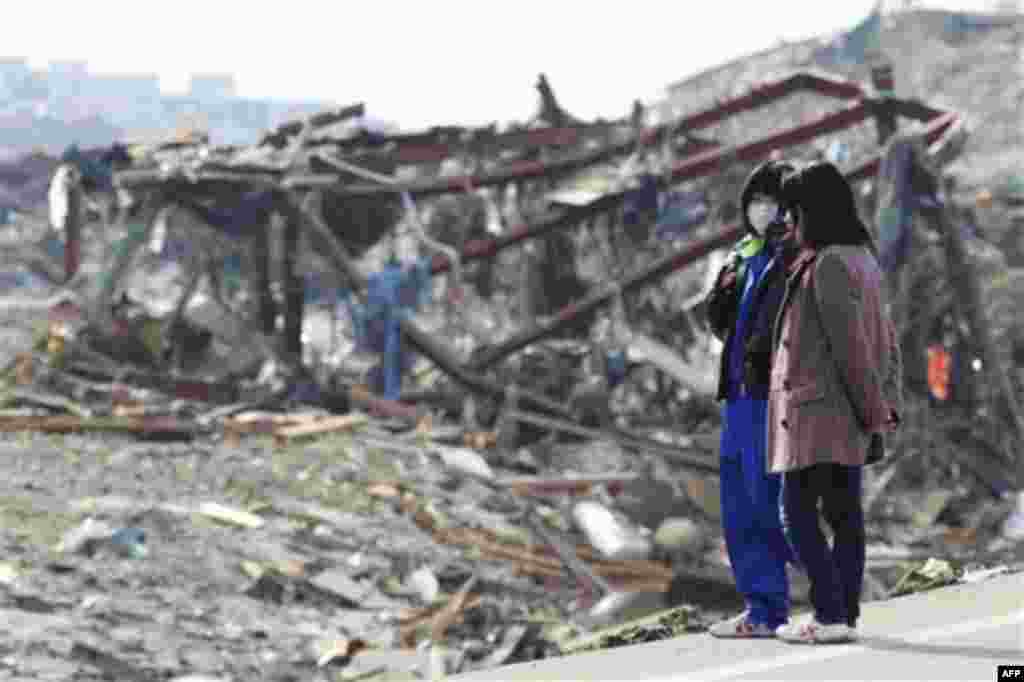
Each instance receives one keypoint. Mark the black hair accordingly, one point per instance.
(828, 208)
(767, 179)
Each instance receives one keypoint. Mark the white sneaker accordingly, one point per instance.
(813, 632)
(740, 627)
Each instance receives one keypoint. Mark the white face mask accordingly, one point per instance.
(762, 212)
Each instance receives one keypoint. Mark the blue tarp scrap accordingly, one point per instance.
(616, 367)
(896, 204)
(176, 249)
(392, 294)
(316, 287)
(305, 391)
(13, 279)
(237, 219)
(863, 39)
(53, 246)
(97, 173)
(640, 201)
(681, 212)
(959, 24)
(231, 274)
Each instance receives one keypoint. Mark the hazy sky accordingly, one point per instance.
(421, 63)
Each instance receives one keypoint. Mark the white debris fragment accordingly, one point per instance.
(225, 514)
(425, 583)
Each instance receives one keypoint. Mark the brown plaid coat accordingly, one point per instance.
(837, 367)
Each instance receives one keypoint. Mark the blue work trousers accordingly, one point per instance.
(757, 547)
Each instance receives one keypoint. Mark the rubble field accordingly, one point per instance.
(344, 406)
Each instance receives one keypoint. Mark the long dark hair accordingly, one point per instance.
(828, 211)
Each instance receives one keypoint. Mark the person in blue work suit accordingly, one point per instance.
(741, 310)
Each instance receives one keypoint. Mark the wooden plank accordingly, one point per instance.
(319, 427)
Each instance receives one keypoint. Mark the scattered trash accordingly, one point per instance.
(666, 624)
(607, 534)
(933, 573)
(465, 461)
(224, 514)
(130, 542)
(425, 584)
(338, 652)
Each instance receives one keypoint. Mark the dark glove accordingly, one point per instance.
(723, 300)
(876, 449)
(757, 360)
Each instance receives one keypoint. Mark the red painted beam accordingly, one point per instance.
(765, 93)
(688, 168)
(752, 151)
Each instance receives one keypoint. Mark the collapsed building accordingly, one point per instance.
(347, 221)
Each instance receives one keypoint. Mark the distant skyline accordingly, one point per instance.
(420, 64)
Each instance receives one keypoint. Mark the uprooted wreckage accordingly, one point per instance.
(294, 289)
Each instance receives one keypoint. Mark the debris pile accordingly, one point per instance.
(419, 404)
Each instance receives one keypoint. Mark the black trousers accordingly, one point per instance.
(836, 573)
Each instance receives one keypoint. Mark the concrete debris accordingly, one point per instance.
(680, 535)
(425, 583)
(607, 534)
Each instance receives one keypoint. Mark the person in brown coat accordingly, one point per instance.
(835, 384)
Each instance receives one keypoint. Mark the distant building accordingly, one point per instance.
(124, 86)
(66, 78)
(14, 72)
(212, 86)
(251, 114)
(14, 67)
(64, 102)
